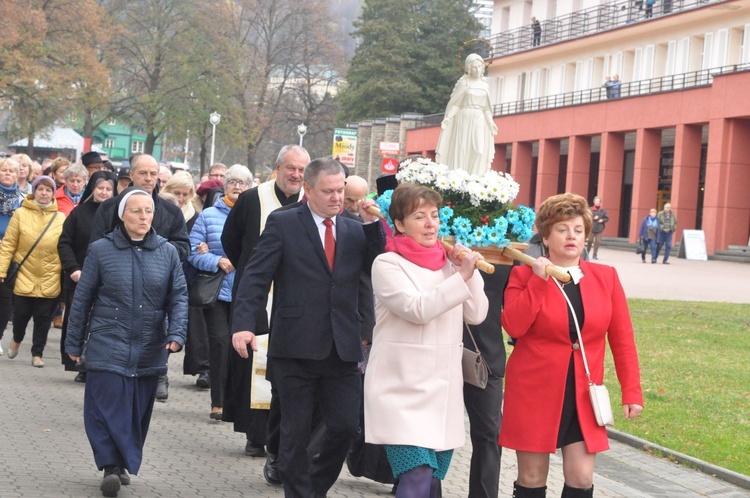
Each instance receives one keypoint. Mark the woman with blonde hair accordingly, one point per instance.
(181, 186)
(547, 403)
(10, 199)
(25, 173)
(181, 190)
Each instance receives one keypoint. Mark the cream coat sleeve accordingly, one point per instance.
(397, 287)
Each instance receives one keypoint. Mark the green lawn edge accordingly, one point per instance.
(696, 379)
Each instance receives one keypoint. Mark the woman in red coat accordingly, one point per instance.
(547, 404)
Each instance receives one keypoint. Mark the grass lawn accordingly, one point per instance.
(695, 372)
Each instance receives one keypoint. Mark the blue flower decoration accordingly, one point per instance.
(384, 204)
(461, 226)
(446, 213)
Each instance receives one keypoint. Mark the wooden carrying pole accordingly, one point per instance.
(508, 252)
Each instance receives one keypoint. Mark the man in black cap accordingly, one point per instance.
(93, 162)
(123, 179)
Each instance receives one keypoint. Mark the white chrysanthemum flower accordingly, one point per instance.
(442, 182)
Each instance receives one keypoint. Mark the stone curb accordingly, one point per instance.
(705, 467)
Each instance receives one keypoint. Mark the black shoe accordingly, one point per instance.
(204, 381)
(81, 377)
(271, 470)
(124, 476)
(665, 262)
(254, 450)
(110, 485)
(162, 388)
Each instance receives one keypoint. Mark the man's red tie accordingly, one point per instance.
(330, 242)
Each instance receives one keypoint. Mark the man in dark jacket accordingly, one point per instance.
(168, 222)
(600, 219)
(242, 230)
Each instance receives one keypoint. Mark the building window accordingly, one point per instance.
(112, 122)
(109, 143)
(136, 147)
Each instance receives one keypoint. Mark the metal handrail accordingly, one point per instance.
(671, 83)
(605, 17)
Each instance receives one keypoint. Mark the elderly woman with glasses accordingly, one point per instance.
(128, 341)
(69, 195)
(207, 232)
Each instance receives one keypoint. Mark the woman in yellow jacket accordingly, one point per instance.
(38, 281)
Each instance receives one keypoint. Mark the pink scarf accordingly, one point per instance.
(433, 258)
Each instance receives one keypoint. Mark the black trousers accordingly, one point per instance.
(335, 386)
(6, 308)
(196, 360)
(485, 418)
(217, 325)
(70, 365)
(38, 308)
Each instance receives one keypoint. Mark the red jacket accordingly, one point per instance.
(64, 204)
(536, 314)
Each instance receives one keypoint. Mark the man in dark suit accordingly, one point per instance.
(314, 258)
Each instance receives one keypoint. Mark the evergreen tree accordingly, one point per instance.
(405, 60)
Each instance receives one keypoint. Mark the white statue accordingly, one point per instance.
(467, 129)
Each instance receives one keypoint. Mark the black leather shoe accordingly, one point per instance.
(204, 381)
(110, 485)
(124, 476)
(80, 378)
(254, 450)
(162, 388)
(271, 470)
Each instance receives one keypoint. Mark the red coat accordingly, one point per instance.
(536, 314)
(64, 204)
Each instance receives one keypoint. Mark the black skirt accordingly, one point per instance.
(570, 430)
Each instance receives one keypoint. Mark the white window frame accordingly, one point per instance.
(137, 147)
(109, 143)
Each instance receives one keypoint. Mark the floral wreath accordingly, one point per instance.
(470, 44)
(478, 210)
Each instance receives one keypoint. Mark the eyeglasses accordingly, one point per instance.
(239, 183)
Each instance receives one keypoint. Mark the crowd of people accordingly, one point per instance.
(365, 322)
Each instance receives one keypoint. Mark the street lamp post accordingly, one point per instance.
(301, 130)
(214, 118)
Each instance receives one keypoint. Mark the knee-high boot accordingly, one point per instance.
(571, 492)
(524, 492)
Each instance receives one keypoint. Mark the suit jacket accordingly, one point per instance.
(315, 308)
(535, 313)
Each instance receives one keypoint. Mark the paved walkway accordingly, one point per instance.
(44, 451)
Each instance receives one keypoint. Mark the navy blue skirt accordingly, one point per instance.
(116, 414)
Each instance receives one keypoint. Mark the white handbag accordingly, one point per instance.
(597, 393)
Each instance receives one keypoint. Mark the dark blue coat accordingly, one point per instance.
(127, 292)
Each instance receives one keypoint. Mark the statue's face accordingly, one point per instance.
(475, 68)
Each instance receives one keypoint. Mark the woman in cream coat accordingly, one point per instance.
(414, 383)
